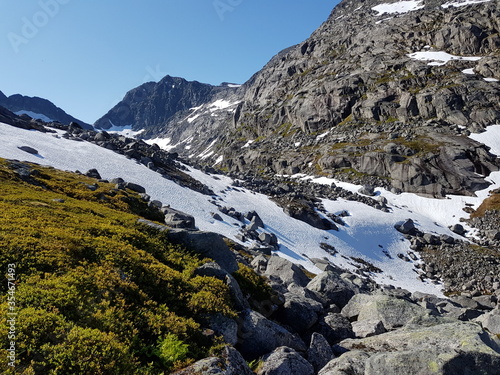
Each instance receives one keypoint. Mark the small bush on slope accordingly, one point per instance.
(95, 292)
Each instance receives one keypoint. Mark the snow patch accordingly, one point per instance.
(163, 143)
(461, 3)
(220, 104)
(491, 79)
(248, 143)
(398, 7)
(321, 136)
(126, 131)
(439, 57)
(219, 160)
(468, 71)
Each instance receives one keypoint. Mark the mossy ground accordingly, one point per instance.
(96, 293)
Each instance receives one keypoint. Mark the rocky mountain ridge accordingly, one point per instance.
(375, 92)
(25, 104)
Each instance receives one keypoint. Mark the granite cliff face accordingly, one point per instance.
(380, 93)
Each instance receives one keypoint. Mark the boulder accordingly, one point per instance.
(29, 150)
(392, 312)
(448, 348)
(225, 327)
(286, 271)
(406, 227)
(332, 288)
(178, 219)
(207, 244)
(350, 363)
(299, 313)
(458, 229)
(320, 352)
(135, 187)
(335, 327)
(285, 361)
(229, 363)
(367, 190)
(367, 328)
(254, 218)
(491, 321)
(259, 263)
(258, 336)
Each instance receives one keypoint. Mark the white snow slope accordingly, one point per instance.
(369, 233)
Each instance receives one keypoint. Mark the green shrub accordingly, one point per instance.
(171, 350)
(95, 290)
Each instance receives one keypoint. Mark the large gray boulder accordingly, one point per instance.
(207, 244)
(259, 336)
(367, 328)
(286, 271)
(335, 328)
(285, 361)
(178, 219)
(333, 288)
(350, 363)
(299, 312)
(320, 352)
(392, 312)
(491, 321)
(448, 348)
(229, 363)
(225, 327)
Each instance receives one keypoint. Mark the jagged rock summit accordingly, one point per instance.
(382, 92)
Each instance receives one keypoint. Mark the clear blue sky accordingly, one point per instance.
(84, 55)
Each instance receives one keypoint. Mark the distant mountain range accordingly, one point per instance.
(38, 108)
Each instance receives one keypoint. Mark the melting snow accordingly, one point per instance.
(163, 143)
(461, 3)
(398, 7)
(219, 160)
(124, 130)
(439, 57)
(321, 136)
(369, 233)
(220, 104)
(248, 143)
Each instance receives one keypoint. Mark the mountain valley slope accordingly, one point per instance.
(336, 214)
(373, 96)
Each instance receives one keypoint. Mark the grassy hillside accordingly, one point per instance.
(94, 292)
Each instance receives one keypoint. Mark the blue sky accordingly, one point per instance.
(84, 55)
